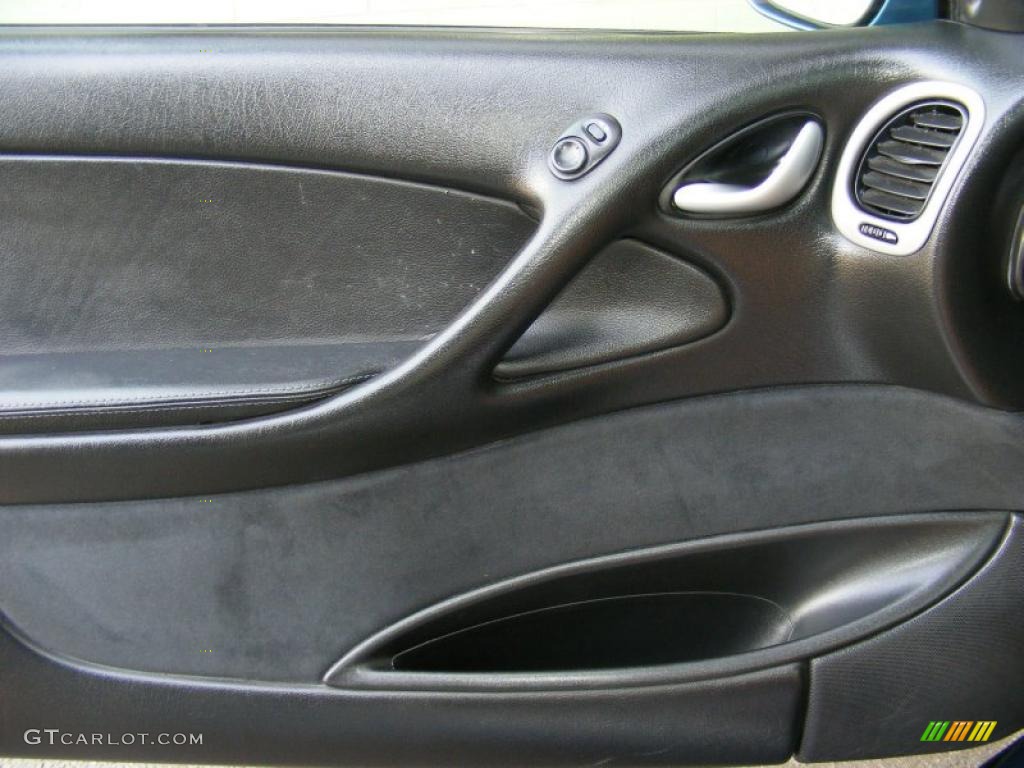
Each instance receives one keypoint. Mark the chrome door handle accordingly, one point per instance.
(789, 176)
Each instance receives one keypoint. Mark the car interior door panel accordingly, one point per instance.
(214, 291)
(394, 395)
(628, 300)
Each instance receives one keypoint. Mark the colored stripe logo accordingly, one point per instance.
(958, 730)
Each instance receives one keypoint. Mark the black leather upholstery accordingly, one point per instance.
(164, 550)
(807, 306)
(58, 392)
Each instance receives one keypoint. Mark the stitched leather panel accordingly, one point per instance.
(107, 390)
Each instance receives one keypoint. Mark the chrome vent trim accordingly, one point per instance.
(901, 162)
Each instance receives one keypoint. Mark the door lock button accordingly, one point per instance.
(596, 132)
(585, 144)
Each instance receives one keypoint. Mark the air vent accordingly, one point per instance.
(901, 162)
(898, 172)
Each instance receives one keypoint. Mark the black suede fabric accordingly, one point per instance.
(279, 583)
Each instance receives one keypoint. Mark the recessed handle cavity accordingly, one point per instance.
(785, 181)
(712, 608)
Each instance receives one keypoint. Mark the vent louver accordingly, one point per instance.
(899, 169)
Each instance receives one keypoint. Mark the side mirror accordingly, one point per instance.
(821, 14)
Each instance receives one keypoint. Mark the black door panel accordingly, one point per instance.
(714, 608)
(143, 292)
(337, 427)
(311, 725)
(315, 569)
(808, 307)
(952, 657)
(629, 300)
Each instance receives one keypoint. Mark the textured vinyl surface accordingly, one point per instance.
(630, 299)
(747, 718)
(959, 660)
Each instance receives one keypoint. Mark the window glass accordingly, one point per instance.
(683, 15)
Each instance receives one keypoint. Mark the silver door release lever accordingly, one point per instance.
(788, 177)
